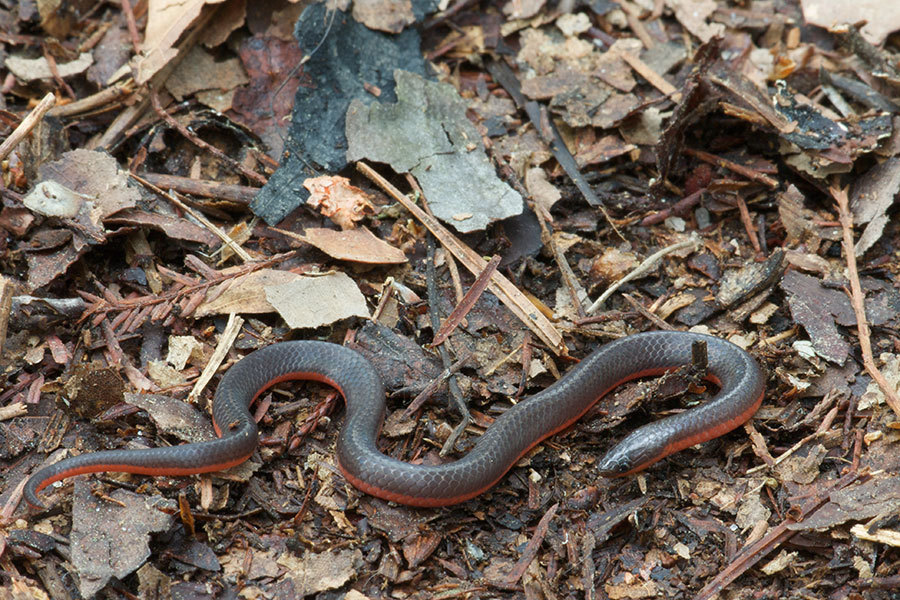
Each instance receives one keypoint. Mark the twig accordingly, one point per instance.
(432, 387)
(12, 411)
(232, 329)
(588, 567)
(565, 270)
(116, 131)
(132, 26)
(755, 552)
(642, 268)
(654, 78)
(190, 136)
(532, 547)
(94, 101)
(636, 25)
(748, 223)
(858, 300)
(6, 296)
(54, 72)
(679, 208)
(9, 508)
(527, 351)
(545, 127)
(759, 444)
(468, 301)
(733, 166)
(241, 194)
(448, 256)
(27, 124)
(784, 455)
(492, 368)
(187, 287)
(502, 287)
(245, 256)
(646, 313)
(456, 395)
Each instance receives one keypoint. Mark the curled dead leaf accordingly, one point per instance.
(341, 202)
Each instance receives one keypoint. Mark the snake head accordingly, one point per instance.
(636, 452)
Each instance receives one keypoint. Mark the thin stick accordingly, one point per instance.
(27, 124)
(6, 296)
(858, 299)
(532, 547)
(456, 394)
(226, 239)
(565, 270)
(777, 535)
(642, 268)
(432, 387)
(502, 287)
(448, 256)
(733, 166)
(191, 137)
(748, 223)
(232, 329)
(101, 99)
(646, 313)
(655, 79)
(467, 303)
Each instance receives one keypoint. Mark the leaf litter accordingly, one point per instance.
(692, 164)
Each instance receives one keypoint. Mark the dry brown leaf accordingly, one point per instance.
(356, 245)
(309, 302)
(390, 16)
(313, 573)
(246, 294)
(543, 192)
(167, 20)
(111, 539)
(881, 17)
(522, 9)
(694, 15)
(200, 71)
(335, 198)
(32, 69)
